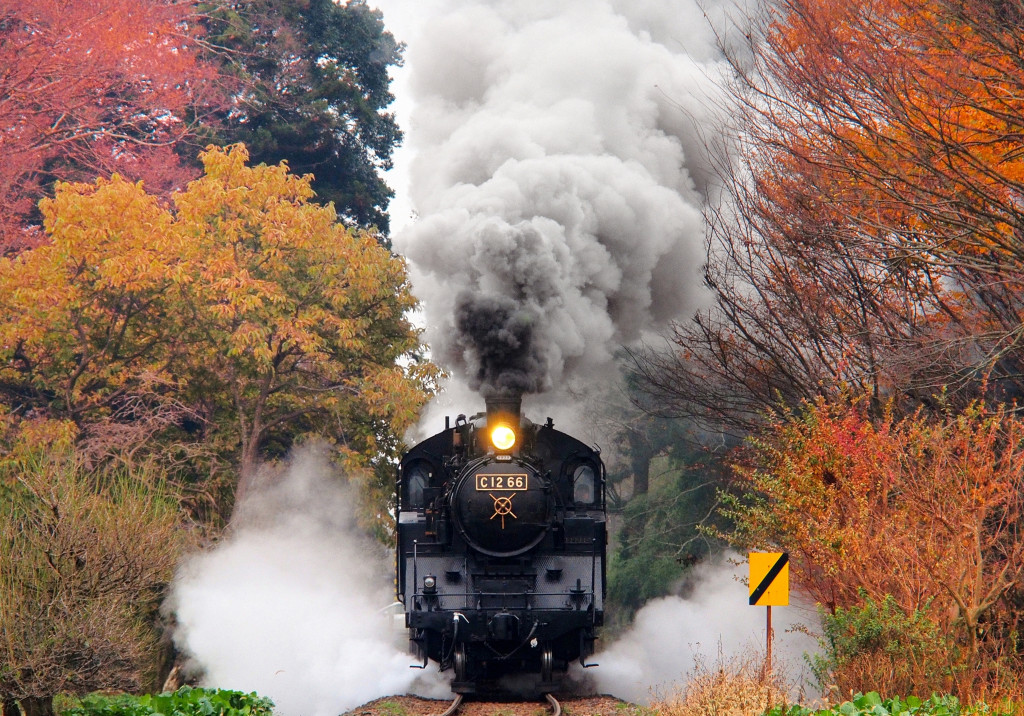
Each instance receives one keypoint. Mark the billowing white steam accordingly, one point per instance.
(557, 181)
(712, 625)
(289, 604)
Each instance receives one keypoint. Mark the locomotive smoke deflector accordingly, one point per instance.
(503, 421)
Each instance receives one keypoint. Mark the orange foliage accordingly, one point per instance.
(910, 109)
(927, 511)
(884, 136)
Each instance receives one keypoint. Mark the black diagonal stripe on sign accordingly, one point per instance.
(769, 578)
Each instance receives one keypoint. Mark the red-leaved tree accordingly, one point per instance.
(924, 512)
(89, 87)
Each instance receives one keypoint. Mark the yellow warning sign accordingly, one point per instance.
(769, 579)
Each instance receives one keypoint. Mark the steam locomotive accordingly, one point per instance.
(501, 547)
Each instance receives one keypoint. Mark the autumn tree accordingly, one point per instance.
(87, 89)
(84, 560)
(869, 231)
(314, 91)
(231, 324)
(921, 511)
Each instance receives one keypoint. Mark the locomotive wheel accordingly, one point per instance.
(459, 660)
(547, 663)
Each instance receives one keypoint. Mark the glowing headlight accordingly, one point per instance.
(503, 437)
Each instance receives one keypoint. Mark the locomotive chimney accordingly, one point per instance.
(503, 409)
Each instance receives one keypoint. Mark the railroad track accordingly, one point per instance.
(556, 708)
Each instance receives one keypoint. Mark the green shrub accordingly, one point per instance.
(186, 701)
(878, 645)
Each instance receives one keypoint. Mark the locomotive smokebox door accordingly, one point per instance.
(501, 511)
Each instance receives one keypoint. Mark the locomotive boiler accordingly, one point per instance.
(501, 547)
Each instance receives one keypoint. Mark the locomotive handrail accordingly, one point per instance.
(527, 596)
(589, 597)
(442, 595)
(415, 563)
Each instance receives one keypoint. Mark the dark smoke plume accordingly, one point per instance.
(501, 354)
(558, 180)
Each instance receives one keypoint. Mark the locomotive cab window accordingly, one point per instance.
(417, 477)
(584, 485)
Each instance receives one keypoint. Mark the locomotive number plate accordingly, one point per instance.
(491, 482)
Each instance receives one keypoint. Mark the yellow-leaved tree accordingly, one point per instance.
(220, 329)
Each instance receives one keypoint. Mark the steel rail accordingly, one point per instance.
(455, 705)
(556, 708)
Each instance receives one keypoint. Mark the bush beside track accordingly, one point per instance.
(186, 701)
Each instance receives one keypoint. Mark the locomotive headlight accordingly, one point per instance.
(503, 437)
(429, 584)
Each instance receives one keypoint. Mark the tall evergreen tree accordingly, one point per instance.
(313, 89)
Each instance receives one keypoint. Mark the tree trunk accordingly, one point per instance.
(640, 462)
(248, 471)
(631, 533)
(11, 708)
(38, 706)
(641, 475)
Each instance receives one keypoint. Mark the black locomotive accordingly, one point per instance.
(501, 547)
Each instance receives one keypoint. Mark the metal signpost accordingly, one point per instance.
(769, 586)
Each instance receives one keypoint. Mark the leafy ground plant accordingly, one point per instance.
(186, 701)
(392, 708)
(871, 704)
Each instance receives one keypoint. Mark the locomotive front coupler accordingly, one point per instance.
(504, 626)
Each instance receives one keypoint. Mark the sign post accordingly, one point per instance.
(769, 586)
